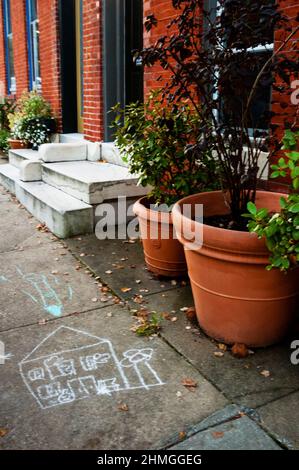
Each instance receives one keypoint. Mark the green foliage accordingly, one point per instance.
(158, 140)
(150, 326)
(4, 136)
(32, 119)
(6, 107)
(281, 230)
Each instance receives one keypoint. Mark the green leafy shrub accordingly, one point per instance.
(157, 140)
(4, 136)
(6, 108)
(281, 230)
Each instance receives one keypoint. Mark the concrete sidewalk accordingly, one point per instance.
(77, 377)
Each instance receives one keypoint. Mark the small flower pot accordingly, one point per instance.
(164, 255)
(18, 144)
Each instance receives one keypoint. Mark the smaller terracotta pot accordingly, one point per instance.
(18, 144)
(164, 255)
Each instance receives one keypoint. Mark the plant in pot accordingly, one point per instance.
(6, 107)
(211, 62)
(281, 229)
(157, 143)
(32, 122)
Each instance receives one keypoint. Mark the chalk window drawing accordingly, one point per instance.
(84, 367)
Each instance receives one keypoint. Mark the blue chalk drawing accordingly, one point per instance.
(45, 295)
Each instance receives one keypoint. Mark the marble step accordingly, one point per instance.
(92, 182)
(63, 214)
(18, 156)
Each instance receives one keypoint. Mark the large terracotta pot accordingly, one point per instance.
(18, 144)
(164, 255)
(236, 299)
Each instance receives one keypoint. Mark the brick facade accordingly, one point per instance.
(18, 22)
(48, 15)
(50, 53)
(93, 78)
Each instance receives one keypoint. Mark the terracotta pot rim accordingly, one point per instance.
(221, 240)
(146, 213)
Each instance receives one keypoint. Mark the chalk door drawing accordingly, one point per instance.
(41, 289)
(71, 373)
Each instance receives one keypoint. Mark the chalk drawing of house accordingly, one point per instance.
(71, 365)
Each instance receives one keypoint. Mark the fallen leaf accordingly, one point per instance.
(94, 299)
(222, 346)
(217, 434)
(126, 289)
(265, 373)
(174, 319)
(191, 314)
(167, 316)
(3, 432)
(189, 383)
(123, 407)
(108, 272)
(218, 354)
(54, 272)
(184, 309)
(138, 281)
(82, 255)
(240, 350)
(182, 435)
(104, 299)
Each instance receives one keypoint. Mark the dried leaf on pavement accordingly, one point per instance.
(3, 432)
(189, 383)
(123, 407)
(218, 354)
(266, 373)
(240, 350)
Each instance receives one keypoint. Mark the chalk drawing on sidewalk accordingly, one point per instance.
(41, 289)
(73, 372)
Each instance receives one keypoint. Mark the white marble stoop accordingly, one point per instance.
(63, 183)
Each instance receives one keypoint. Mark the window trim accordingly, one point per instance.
(10, 79)
(35, 82)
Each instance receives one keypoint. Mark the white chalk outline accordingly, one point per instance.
(100, 341)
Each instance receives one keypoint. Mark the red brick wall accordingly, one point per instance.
(163, 11)
(93, 78)
(3, 85)
(18, 20)
(50, 53)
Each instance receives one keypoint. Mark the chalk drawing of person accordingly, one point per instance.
(44, 293)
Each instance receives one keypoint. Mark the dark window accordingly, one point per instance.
(251, 52)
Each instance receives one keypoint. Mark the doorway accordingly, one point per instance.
(79, 64)
(122, 33)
